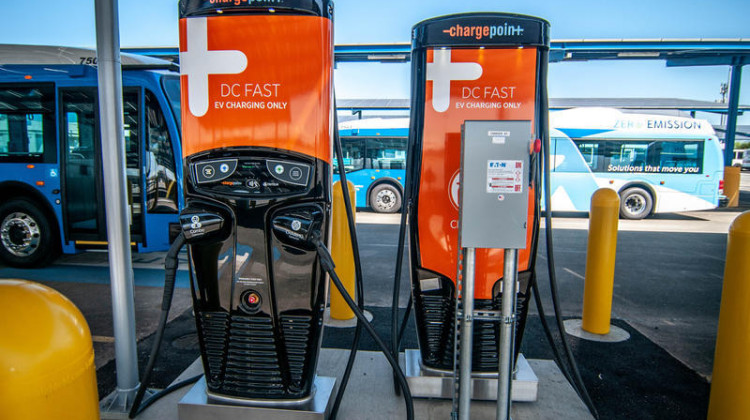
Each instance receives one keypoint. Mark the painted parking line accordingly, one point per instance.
(378, 218)
(569, 271)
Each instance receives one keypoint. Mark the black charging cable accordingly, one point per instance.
(358, 277)
(359, 288)
(174, 387)
(574, 372)
(170, 276)
(548, 334)
(326, 261)
(396, 332)
(538, 180)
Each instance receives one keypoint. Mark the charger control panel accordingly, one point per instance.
(494, 186)
(252, 177)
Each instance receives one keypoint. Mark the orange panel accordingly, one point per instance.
(281, 96)
(505, 89)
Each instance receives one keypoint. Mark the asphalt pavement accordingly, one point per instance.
(668, 279)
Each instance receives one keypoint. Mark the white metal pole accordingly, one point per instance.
(506, 349)
(115, 202)
(467, 333)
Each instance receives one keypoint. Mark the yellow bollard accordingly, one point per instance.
(730, 383)
(600, 261)
(46, 356)
(341, 250)
(732, 185)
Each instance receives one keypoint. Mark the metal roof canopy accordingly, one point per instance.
(734, 52)
(677, 52)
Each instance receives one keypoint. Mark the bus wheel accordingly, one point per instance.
(385, 198)
(26, 235)
(635, 203)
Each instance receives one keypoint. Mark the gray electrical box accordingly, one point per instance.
(494, 187)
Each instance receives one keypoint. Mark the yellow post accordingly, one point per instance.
(341, 250)
(730, 383)
(600, 261)
(732, 185)
(46, 356)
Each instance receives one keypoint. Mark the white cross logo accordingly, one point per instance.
(197, 62)
(441, 71)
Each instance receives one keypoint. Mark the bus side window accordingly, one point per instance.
(353, 150)
(131, 121)
(161, 180)
(575, 157)
(387, 153)
(682, 155)
(590, 153)
(131, 129)
(27, 125)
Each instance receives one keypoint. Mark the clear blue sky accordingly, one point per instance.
(154, 23)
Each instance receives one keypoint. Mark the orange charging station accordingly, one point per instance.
(480, 67)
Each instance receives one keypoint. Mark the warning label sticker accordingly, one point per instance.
(505, 176)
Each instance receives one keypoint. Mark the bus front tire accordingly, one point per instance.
(27, 238)
(385, 198)
(635, 203)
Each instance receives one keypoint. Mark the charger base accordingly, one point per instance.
(432, 383)
(195, 405)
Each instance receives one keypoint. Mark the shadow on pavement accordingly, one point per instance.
(635, 379)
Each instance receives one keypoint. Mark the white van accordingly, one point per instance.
(746, 160)
(737, 158)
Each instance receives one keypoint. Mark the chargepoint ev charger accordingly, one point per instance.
(478, 66)
(258, 132)
(257, 120)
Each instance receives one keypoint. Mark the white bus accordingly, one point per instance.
(656, 163)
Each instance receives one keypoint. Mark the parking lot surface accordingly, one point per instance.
(668, 279)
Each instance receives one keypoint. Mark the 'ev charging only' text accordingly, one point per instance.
(255, 91)
(496, 97)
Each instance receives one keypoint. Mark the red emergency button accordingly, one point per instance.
(250, 301)
(537, 145)
(253, 299)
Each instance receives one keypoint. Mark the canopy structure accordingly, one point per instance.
(733, 52)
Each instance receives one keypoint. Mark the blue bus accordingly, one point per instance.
(656, 163)
(374, 152)
(50, 152)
